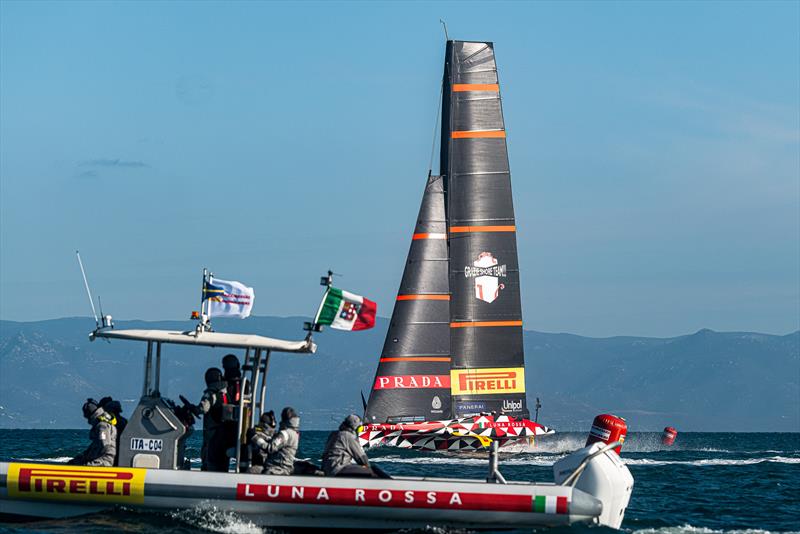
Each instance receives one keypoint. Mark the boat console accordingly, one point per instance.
(154, 437)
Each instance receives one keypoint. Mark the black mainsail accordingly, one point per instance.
(413, 378)
(488, 372)
(454, 346)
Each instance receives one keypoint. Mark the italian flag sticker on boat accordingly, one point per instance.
(343, 310)
(549, 505)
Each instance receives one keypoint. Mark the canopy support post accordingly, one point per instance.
(253, 389)
(263, 399)
(494, 470)
(148, 368)
(158, 369)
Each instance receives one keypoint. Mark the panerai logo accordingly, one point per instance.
(512, 405)
(487, 273)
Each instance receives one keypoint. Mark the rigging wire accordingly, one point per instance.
(435, 127)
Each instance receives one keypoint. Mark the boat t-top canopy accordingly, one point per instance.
(209, 339)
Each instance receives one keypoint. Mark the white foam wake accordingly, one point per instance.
(713, 461)
(548, 460)
(689, 529)
(57, 459)
(208, 517)
(454, 460)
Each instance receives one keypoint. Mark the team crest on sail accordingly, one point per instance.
(487, 273)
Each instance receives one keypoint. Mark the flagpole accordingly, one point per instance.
(208, 306)
(321, 304)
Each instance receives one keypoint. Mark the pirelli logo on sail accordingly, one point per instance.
(63, 483)
(487, 381)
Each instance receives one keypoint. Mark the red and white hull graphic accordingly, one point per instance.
(466, 433)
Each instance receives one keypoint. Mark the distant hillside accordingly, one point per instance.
(707, 381)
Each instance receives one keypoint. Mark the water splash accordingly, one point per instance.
(208, 517)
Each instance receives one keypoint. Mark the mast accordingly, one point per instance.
(487, 368)
(412, 382)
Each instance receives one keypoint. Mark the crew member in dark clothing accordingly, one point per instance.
(114, 407)
(212, 455)
(343, 448)
(102, 450)
(233, 376)
(259, 440)
(281, 448)
(230, 421)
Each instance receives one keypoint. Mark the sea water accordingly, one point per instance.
(707, 483)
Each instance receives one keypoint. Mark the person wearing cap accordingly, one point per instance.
(212, 453)
(343, 449)
(102, 449)
(281, 448)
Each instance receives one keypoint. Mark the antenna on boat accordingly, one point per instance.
(444, 25)
(538, 405)
(88, 292)
(104, 321)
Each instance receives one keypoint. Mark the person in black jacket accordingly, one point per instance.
(213, 453)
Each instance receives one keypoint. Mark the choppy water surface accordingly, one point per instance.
(705, 484)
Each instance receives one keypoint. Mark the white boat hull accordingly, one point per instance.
(52, 491)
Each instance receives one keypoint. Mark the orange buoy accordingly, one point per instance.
(669, 435)
(608, 429)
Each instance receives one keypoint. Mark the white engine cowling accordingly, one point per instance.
(605, 477)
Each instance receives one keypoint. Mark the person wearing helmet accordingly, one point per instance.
(281, 448)
(258, 441)
(212, 454)
(102, 450)
(343, 448)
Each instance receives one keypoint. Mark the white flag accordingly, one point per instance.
(228, 298)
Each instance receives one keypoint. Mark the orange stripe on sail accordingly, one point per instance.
(429, 236)
(485, 323)
(478, 133)
(471, 229)
(416, 359)
(461, 87)
(423, 297)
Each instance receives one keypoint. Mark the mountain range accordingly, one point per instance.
(705, 381)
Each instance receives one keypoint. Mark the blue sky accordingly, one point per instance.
(654, 149)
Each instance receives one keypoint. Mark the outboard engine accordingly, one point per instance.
(154, 437)
(598, 470)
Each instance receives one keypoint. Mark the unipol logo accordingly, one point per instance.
(487, 274)
(512, 405)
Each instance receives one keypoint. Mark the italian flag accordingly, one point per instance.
(343, 310)
(549, 505)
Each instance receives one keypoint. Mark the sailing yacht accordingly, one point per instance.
(452, 369)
